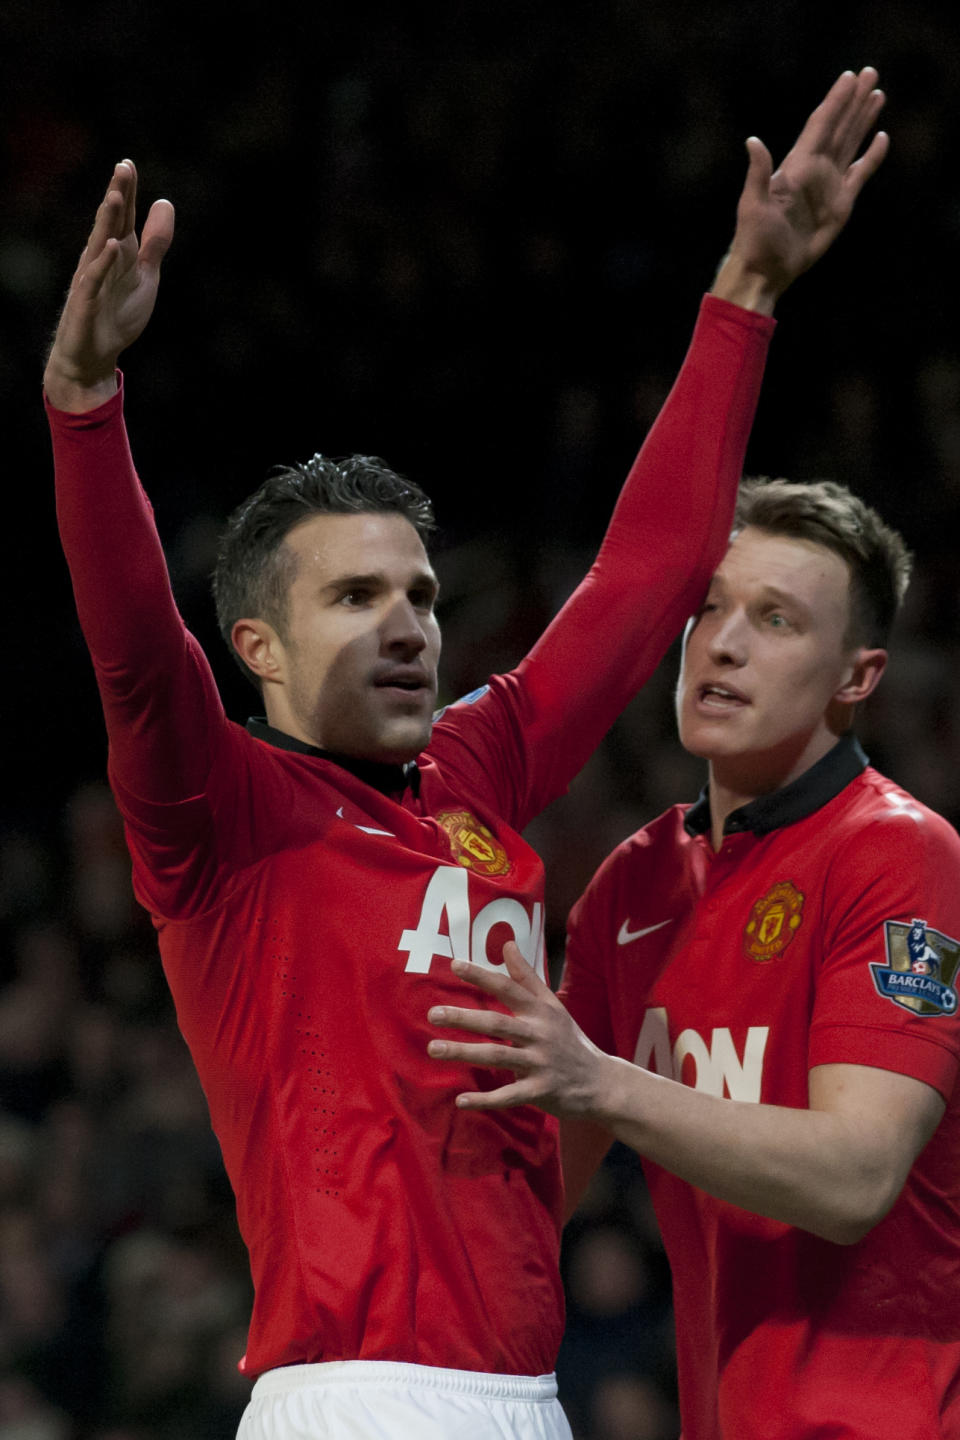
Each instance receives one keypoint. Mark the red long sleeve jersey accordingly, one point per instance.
(826, 930)
(306, 918)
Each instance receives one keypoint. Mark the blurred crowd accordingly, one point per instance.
(469, 237)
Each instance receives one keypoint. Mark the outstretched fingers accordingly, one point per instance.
(125, 177)
(107, 223)
(850, 121)
(509, 1040)
(859, 118)
(92, 273)
(843, 118)
(112, 295)
(115, 225)
(478, 1022)
(825, 121)
(117, 216)
(522, 973)
(474, 1052)
(869, 163)
(511, 985)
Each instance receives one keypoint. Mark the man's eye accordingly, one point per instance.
(355, 597)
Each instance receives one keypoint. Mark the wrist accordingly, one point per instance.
(67, 389)
(613, 1090)
(742, 284)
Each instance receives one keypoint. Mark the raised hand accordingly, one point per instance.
(788, 218)
(111, 296)
(555, 1065)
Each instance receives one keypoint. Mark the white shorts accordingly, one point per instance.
(380, 1400)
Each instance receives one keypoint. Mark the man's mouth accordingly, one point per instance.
(720, 697)
(406, 681)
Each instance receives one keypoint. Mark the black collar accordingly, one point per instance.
(388, 779)
(809, 792)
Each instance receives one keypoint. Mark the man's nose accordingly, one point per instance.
(728, 643)
(403, 628)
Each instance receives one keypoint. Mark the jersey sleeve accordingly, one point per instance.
(583, 987)
(883, 998)
(518, 745)
(162, 708)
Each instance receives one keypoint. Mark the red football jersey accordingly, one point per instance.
(307, 910)
(825, 930)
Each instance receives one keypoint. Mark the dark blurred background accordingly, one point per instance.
(470, 237)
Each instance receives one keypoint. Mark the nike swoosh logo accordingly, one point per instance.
(367, 829)
(626, 934)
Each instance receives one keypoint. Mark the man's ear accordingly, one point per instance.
(867, 667)
(261, 649)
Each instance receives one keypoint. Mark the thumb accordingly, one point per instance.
(157, 234)
(759, 169)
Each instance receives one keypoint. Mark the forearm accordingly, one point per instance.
(154, 694)
(668, 531)
(833, 1168)
(109, 538)
(807, 1168)
(672, 520)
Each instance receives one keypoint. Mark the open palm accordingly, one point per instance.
(113, 290)
(787, 218)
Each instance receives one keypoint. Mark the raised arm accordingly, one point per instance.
(157, 692)
(672, 521)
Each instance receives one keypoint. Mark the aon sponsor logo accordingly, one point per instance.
(713, 1066)
(447, 929)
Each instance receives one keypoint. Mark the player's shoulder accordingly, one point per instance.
(884, 804)
(455, 709)
(878, 817)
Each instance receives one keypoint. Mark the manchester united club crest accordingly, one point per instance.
(921, 968)
(774, 920)
(474, 846)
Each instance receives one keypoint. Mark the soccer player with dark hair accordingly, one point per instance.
(312, 875)
(761, 998)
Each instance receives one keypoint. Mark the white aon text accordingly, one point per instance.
(717, 1067)
(445, 927)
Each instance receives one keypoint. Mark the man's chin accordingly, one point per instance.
(709, 741)
(401, 746)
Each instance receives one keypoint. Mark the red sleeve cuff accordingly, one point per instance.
(726, 310)
(923, 1057)
(87, 419)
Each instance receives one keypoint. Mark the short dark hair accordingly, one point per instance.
(255, 568)
(831, 515)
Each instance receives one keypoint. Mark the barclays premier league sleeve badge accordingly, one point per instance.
(921, 968)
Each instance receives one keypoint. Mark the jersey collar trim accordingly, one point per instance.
(388, 779)
(808, 793)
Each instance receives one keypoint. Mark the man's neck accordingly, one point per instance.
(736, 782)
(723, 802)
(388, 778)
